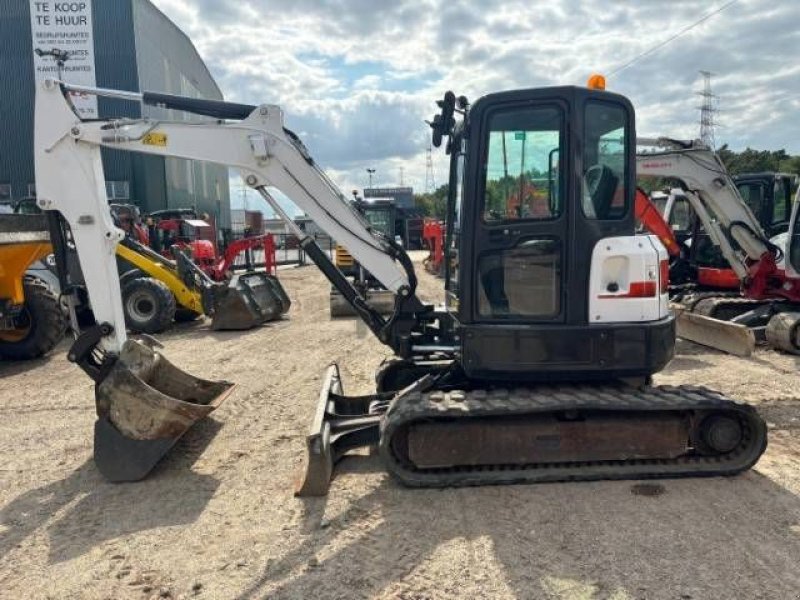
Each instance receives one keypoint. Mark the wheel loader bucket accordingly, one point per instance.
(144, 405)
(249, 300)
(380, 300)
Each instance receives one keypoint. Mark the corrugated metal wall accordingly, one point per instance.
(136, 47)
(115, 67)
(16, 107)
(168, 62)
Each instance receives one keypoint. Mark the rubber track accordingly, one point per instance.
(416, 407)
(712, 307)
(690, 301)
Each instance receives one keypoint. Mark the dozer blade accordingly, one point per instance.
(144, 405)
(340, 424)
(380, 300)
(248, 301)
(732, 338)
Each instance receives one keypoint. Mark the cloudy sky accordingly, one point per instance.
(357, 78)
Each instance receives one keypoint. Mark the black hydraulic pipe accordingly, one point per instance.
(58, 240)
(209, 108)
(371, 317)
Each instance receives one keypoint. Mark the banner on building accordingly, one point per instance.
(67, 26)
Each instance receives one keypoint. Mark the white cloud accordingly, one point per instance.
(356, 78)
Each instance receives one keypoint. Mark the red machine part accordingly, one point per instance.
(718, 278)
(765, 280)
(433, 238)
(224, 265)
(651, 218)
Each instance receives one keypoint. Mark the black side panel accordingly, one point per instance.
(558, 352)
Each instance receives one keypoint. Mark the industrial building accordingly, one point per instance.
(126, 45)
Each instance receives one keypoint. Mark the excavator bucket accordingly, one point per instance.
(380, 300)
(144, 405)
(249, 300)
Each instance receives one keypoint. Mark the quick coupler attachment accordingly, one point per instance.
(340, 424)
(144, 406)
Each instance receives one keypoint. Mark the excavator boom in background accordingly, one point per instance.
(538, 366)
(767, 273)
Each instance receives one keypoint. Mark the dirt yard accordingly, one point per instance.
(217, 519)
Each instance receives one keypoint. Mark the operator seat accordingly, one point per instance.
(601, 184)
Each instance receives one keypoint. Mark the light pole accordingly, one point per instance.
(370, 172)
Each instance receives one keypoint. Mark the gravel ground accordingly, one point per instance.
(217, 518)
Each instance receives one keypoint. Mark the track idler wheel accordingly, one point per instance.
(783, 332)
(721, 434)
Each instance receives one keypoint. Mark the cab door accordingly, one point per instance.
(521, 220)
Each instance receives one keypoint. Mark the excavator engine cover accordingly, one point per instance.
(144, 405)
(250, 299)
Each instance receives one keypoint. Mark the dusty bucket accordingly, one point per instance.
(249, 300)
(144, 405)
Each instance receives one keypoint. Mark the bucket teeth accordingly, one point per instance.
(144, 405)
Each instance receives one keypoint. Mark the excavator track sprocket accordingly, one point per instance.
(567, 433)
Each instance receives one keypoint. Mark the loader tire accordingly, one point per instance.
(148, 304)
(185, 315)
(40, 326)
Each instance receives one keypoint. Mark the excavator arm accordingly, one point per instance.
(712, 194)
(144, 403)
(252, 140)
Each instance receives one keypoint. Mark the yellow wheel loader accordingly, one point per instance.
(32, 321)
(157, 290)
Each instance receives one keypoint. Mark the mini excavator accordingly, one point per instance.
(538, 366)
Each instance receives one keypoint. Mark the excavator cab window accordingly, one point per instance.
(753, 195)
(680, 217)
(523, 184)
(604, 162)
(522, 165)
(781, 202)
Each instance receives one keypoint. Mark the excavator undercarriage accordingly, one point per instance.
(432, 437)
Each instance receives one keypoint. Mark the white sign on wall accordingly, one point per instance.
(66, 25)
